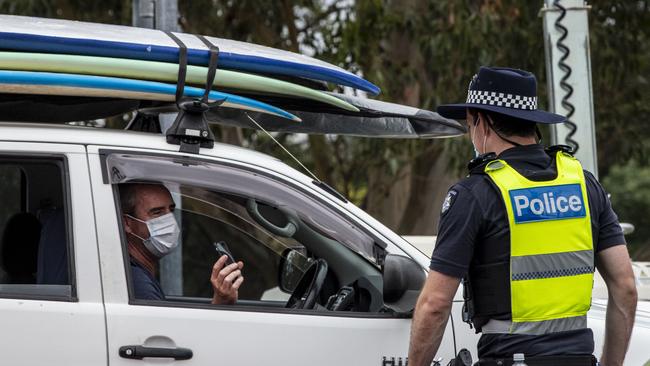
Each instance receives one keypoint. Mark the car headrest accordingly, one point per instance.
(20, 244)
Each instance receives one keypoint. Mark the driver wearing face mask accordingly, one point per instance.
(152, 232)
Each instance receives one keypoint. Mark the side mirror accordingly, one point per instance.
(290, 274)
(403, 280)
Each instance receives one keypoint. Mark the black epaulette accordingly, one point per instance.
(477, 165)
(552, 150)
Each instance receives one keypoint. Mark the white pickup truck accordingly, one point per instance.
(60, 201)
(66, 295)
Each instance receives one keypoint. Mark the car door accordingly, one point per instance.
(50, 291)
(214, 199)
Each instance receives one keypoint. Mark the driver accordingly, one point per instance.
(152, 232)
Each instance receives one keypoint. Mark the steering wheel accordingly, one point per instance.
(309, 286)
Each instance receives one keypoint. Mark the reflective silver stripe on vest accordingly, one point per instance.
(535, 328)
(566, 264)
(496, 326)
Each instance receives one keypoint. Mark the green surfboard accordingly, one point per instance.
(160, 71)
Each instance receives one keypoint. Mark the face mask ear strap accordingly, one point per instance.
(138, 236)
(491, 126)
(134, 218)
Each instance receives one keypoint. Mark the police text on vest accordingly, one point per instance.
(547, 203)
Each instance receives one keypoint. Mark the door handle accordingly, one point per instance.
(140, 352)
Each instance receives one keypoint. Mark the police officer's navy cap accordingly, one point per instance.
(502, 90)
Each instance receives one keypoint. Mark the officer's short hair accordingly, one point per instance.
(507, 125)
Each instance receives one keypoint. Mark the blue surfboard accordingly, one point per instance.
(92, 39)
(28, 82)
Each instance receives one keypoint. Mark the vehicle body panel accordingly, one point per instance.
(34, 332)
(217, 333)
(242, 335)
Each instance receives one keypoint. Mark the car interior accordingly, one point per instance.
(297, 253)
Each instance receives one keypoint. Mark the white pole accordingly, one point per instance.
(578, 61)
(157, 14)
(143, 13)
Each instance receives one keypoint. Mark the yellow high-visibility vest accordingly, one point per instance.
(551, 247)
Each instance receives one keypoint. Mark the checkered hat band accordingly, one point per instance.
(501, 99)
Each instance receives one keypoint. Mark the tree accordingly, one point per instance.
(629, 185)
(620, 53)
(417, 52)
(422, 53)
(109, 11)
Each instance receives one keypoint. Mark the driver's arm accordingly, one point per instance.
(226, 281)
(430, 318)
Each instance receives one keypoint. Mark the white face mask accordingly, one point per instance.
(476, 151)
(163, 234)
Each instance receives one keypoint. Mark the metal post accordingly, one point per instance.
(144, 12)
(163, 15)
(157, 14)
(578, 60)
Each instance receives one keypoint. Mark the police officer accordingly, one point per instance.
(524, 231)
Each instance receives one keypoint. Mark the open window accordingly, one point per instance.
(297, 251)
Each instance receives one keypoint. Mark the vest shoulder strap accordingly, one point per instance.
(477, 165)
(552, 150)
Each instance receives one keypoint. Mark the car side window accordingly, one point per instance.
(206, 218)
(209, 218)
(34, 255)
(297, 252)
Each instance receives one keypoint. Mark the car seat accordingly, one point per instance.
(52, 266)
(20, 248)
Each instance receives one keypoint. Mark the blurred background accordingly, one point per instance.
(423, 53)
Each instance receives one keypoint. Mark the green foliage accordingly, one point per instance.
(105, 11)
(629, 186)
(267, 22)
(620, 51)
(422, 53)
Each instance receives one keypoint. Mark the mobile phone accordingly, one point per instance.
(222, 249)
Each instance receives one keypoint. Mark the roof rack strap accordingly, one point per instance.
(182, 66)
(212, 68)
(191, 130)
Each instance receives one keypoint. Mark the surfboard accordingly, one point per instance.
(160, 71)
(93, 39)
(45, 83)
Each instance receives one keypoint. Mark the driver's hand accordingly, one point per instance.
(226, 281)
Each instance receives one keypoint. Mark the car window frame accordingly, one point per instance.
(61, 161)
(103, 155)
